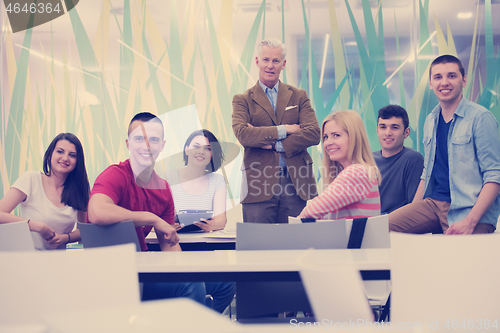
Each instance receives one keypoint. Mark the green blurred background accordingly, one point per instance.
(90, 70)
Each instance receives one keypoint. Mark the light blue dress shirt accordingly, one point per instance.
(473, 158)
(272, 95)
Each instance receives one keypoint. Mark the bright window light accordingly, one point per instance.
(464, 16)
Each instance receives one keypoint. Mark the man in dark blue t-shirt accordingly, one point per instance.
(400, 166)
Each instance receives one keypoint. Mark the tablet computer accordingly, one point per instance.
(188, 217)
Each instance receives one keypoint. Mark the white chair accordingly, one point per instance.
(16, 236)
(284, 236)
(445, 280)
(180, 315)
(256, 299)
(376, 234)
(33, 284)
(336, 293)
(94, 235)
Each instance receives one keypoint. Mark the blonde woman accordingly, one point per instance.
(348, 168)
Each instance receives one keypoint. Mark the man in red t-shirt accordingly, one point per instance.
(131, 190)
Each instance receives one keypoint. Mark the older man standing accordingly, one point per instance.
(276, 124)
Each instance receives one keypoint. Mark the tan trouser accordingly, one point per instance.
(427, 216)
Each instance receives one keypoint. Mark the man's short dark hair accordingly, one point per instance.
(446, 59)
(397, 111)
(145, 117)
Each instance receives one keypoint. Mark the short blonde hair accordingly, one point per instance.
(359, 151)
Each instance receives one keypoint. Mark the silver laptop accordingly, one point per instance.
(284, 236)
(16, 236)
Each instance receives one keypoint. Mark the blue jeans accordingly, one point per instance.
(221, 292)
(161, 290)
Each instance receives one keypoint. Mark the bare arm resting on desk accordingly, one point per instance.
(10, 201)
(70, 237)
(102, 210)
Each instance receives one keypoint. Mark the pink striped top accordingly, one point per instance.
(351, 195)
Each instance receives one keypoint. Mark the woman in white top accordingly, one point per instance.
(54, 200)
(197, 186)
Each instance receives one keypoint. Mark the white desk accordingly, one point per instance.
(275, 265)
(186, 316)
(174, 315)
(278, 267)
(200, 241)
(24, 328)
(221, 236)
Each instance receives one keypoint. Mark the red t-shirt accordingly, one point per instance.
(118, 183)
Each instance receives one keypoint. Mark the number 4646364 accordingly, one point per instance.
(471, 324)
(33, 8)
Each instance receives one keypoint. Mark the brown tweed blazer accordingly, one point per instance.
(261, 166)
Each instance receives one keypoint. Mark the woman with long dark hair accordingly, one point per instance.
(197, 186)
(53, 200)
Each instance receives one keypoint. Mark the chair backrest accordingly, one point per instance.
(376, 234)
(16, 236)
(284, 236)
(445, 279)
(94, 235)
(34, 284)
(143, 318)
(336, 293)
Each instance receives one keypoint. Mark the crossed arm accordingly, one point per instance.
(299, 136)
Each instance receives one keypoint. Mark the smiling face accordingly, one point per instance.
(145, 142)
(336, 143)
(63, 159)
(447, 83)
(199, 152)
(391, 135)
(270, 64)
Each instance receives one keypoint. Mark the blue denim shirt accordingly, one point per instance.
(473, 158)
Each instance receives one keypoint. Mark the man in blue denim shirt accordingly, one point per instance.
(461, 177)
